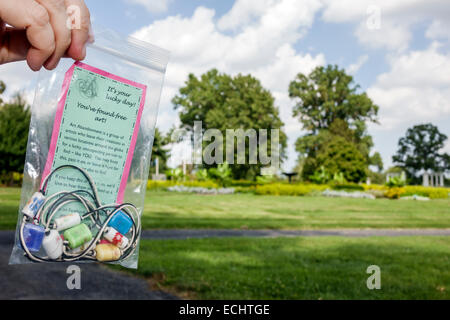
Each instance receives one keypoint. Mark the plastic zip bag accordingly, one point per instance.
(88, 154)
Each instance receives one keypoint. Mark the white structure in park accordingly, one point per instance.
(433, 179)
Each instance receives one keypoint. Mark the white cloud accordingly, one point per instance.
(416, 89)
(446, 148)
(18, 77)
(354, 67)
(439, 29)
(392, 36)
(154, 6)
(243, 13)
(397, 18)
(261, 44)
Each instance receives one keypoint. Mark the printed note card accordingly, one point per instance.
(96, 127)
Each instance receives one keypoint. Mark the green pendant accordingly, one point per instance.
(78, 235)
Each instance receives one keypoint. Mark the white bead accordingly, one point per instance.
(53, 245)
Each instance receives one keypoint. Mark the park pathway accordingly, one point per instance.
(48, 281)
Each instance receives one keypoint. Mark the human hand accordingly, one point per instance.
(38, 31)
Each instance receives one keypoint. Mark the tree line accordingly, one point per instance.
(331, 109)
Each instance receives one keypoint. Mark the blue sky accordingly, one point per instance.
(403, 63)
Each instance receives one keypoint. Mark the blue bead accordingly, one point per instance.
(121, 222)
(33, 236)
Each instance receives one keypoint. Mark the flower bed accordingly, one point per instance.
(406, 191)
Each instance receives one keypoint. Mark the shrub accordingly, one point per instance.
(200, 184)
(175, 174)
(244, 189)
(156, 185)
(201, 175)
(377, 187)
(11, 179)
(397, 182)
(265, 179)
(278, 189)
(348, 187)
(432, 193)
(221, 174)
(320, 176)
(243, 183)
(394, 193)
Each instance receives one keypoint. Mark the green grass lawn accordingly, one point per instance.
(288, 268)
(298, 268)
(9, 207)
(173, 210)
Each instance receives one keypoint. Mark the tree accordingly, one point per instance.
(377, 161)
(328, 94)
(159, 151)
(329, 105)
(420, 150)
(339, 156)
(14, 124)
(2, 89)
(224, 102)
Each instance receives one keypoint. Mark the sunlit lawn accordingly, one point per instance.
(299, 268)
(288, 268)
(169, 210)
(173, 210)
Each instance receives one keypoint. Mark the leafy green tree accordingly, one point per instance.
(341, 156)
(327, 94)
(299, 168)
(333, 149)
(377, 161)
(420, 150)
(377, 177)
(328, 104)
(223, 102)
(159, 151)
(2, 89)
(14, 124)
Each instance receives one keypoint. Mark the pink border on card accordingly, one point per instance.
(60, 111)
